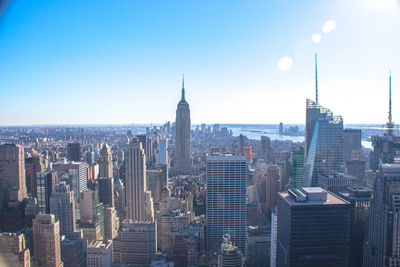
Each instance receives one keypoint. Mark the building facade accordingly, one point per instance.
(183, 153)
(226, 200)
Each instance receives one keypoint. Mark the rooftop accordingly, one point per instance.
(315, 196)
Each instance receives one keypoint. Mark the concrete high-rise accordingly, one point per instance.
(383, 245)
(45, 184)
(147, 145)
(352, 142)
(13, 250)
(163, 153)
(360, 200)
(265, 148)
(62, 205)
(74, 152)
(273, 176)
(135, 181)
(313, 228)
(106, 191)
(46, 240)
(99, 254)
(183, 154)
(73, 250)
(12, 175)
(105, 163)
(139, 240)
(230, 255)
(33, 165)
(226, 200)
(92, 210)
(75, 174)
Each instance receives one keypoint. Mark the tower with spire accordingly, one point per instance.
(183, 154)
(390, 123)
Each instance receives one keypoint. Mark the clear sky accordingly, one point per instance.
(103, 62)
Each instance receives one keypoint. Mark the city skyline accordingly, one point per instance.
(257, 57)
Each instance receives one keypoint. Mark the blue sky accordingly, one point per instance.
(103, 62)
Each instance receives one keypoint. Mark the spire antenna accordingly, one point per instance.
(183, 87)
(316, 79)
(390, 122)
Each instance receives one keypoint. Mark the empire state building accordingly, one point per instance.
(183, 154)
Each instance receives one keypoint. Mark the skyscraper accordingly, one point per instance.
(324, 143)
(147, 147)
(265, 148)
(385, 146)
(183, 154)
(272, 187)
(230, 255)
(92, 209)
(360, 200)
(135, 181)
(163, 151)
(106, 163)
(99, 254)
(74, 152)
(33, 165)
(313, 228)
(46, 240)
(75, 174)
(13, 250)
(352, 141)
(383, 246)
(62, 205)
(136, 243)
(12, 175)
(226, 200)
(297, 165)
(106, 191)
(45, 185)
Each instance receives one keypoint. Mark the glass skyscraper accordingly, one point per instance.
(324, 143)
(226, 200)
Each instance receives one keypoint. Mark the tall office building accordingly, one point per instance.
(106, 190)
(12, 175)
(337, 183)
(385, 147)
(92, 210)
(163, 153)
(265, 148)
(352, 142)
(75, 174)
(272, 187)
(74, 152)
(136, 243)
(33, 165)
(13, 251)
(45, 185)
(73, 250)
(135, 181)
(226, 200)
(46, 240)
(274, 239)
(99, 254)
(183, 154)
(147, 145)
(230, 255)
(105, 162)
(383, 246)
(258, 246)
(360, 200)
(62, 205)
(313, 228)
(297, 165)
(111, 223)
(324, 143)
